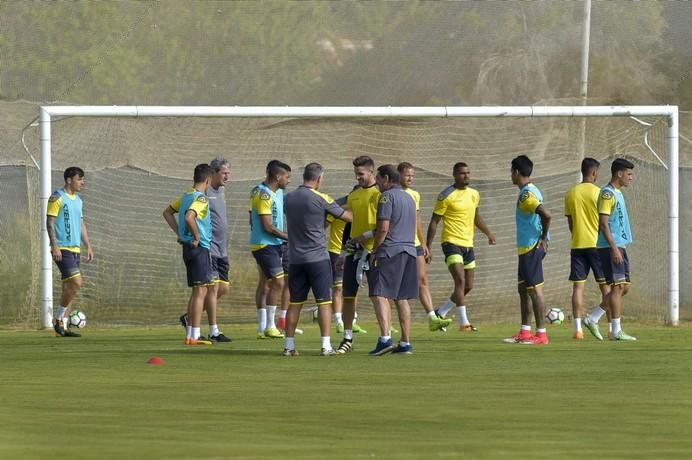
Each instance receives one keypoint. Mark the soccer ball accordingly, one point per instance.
(555, 316)
(77, 319)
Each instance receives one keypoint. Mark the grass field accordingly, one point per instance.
(458, 395)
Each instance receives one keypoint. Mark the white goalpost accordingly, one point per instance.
(49, 114)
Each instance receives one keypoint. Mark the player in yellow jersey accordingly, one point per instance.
(582, 218)
(406, 174)
(362, 201)
(457, 207)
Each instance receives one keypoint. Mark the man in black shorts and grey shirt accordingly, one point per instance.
(393, 270)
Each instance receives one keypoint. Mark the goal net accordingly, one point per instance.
(136, 166)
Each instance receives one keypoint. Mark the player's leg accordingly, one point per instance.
(620, 288)
(577, 308)
(525, 312)
(469, 278)
(407, 290)
(71, 285)
(269, 260)
(285, 295)
(261, 293)
(435, 323)
(534, 288)
(199, 271)
(350, 293)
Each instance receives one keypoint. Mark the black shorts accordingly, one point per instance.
(530, 272)
(198, 265)
(337, 275)
(69, 265)
(615, 274)
(582, 261)
(315, 275)
(394, 277)
(351, 285)
(285, 261)
(459, 255)
(219, 269)
(269, 260)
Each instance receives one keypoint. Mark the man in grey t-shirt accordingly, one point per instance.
(219, 246)
(306, 209)
(393, 271)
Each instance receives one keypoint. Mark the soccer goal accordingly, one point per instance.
(139, 158)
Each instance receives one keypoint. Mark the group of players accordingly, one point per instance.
(374, 232)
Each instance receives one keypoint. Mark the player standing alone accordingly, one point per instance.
(66, 231)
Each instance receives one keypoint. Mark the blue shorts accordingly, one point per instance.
(285, 261)
(419, 251)
(198, 265)
(269, 260)
(337, 275)
(350, 290)
(582, 261)
(69, 265)
(615, 274)
(530, 272)
(219, 269)
(459, 255)
(394, 277)
(315, 275)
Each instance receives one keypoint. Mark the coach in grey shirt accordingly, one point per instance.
(306, 209)
(393, 271)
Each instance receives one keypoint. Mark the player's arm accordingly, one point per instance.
(347, 215)
(85, 238)
(380, 234)
(432, 229)
(545, 216)
(604, 228)
(169, 217)
(191, 224)
(54, 249)
(266, 222)
(480, 223)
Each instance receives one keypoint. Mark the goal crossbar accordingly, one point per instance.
(48, 113)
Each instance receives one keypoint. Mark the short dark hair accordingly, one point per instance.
(620, 164)
(364, 160)
(312, 171)
(202, 172)
(389, 171)
(73, 171)
(403, 166)
(588, 164)
(523, 165)
(458, 165)
(275, 167)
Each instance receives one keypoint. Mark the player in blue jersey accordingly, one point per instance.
(66, 232)
(615, 234)
(194, 231)
(267, 235)
(532, 222)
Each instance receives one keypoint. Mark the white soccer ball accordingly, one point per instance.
(555, 316)
(77, 319)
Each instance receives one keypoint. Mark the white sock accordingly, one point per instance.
(189, 332)
(348, 334)
(338, 318)
(282, 314)
(385, 338)
(271, 310)
(577, 324)
(596, 313)
(214, 330)
(540, 331)
(610, 327)
(290, 343)
(195, 333)
(463, 320)
(525, 327)
(432, 315)
(616, 326)
(261, 319)
(444, 309)
(327, 343)
(355, 316)
(404, 344)
(59, 313)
